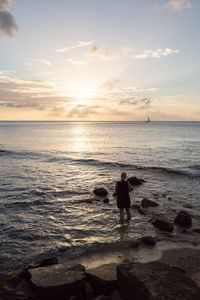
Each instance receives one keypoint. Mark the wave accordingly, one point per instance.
(177, 172)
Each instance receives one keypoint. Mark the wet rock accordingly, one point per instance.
(106, 200)
(170, 198)
(155, 280)
(15, 288)
(197, 230)
(148, 203)
(187, 205)
(43, 260)
(141, 211)
(101, 297)
(58, 281)
(100, 192)
(183, 219)
(149, 240)
(162, 223)
(115, 296)
(135, 206)
(103, 279)
(89, 295)
(135, 181)
(135, 244)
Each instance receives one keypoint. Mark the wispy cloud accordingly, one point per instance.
(109, 84)
(43, 61)
(75, 62)
(78, 45)
(158, 53)
(96, 52)
(7, 22)
(141, 104)
(174, 5)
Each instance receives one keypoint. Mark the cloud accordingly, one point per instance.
(7, 21)
(143, 103)
(20, 93)
(43, 61)
(174, 5)
(96, 52)
(83, 111)
(75, 62)
(78, 45)
(158, 53)
(109, 84)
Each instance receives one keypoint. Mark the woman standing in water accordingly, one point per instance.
(123, 187)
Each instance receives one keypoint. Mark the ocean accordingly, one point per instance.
(48, 171)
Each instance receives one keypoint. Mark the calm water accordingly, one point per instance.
(48, 170)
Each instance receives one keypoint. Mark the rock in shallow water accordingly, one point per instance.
(148, 203)
(155, 281)
(135, 181)
(100, 192)
(162, 223)
(183, 219)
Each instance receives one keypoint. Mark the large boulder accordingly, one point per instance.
(183, 219)
(58, 282)
(135, 181)
(100, 192)
(162, 223)
(155, 281)
(103, 279)
(148, 203)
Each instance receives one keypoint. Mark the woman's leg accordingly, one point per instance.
(121, 212)
(128, 214)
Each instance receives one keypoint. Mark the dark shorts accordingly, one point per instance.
(123, 203)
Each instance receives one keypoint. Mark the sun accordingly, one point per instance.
(82, 93)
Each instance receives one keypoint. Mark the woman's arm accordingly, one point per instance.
(130, 187)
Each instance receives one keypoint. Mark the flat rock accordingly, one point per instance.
(162, 223)
(155, 281)
(58, 281)
(100, 192)
(148, 203)
(183, 219)
(103, 279)
(43, 260)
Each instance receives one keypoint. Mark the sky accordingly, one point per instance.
(100, 60)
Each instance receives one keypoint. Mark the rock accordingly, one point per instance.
(135, 244)
(187, 205)
(106, 200)
(148, 203)
(101, 297)
(141, 211)
(170, 198)
(103, 279)
(197, 230)
(149, 240)
(58, 281)
(15, 288)
(100, 192)
(162, 223)
(135, 181)
(115, 194)
(43, 260)
(89, 295)
(183, 219)
(135, 206)
(155, 281)
(115, 296)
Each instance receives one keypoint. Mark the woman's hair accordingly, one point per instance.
(123, 175)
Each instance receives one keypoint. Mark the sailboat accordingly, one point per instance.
(148, 120)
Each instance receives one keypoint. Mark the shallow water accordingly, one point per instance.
(49, 169)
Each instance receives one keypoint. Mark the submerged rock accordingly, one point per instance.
(100, 192)
(43, 260)
(103, 279)
(106, 200)
(155, 280)
(148, 203)
(135, 181)
(149, 240)
(162, 223)
(183, 219)
(58, 281)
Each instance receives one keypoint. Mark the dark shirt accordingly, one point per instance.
(123, 199)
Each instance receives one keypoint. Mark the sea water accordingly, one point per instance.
(48, 171)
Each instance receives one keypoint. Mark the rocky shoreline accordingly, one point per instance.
(143, 269)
